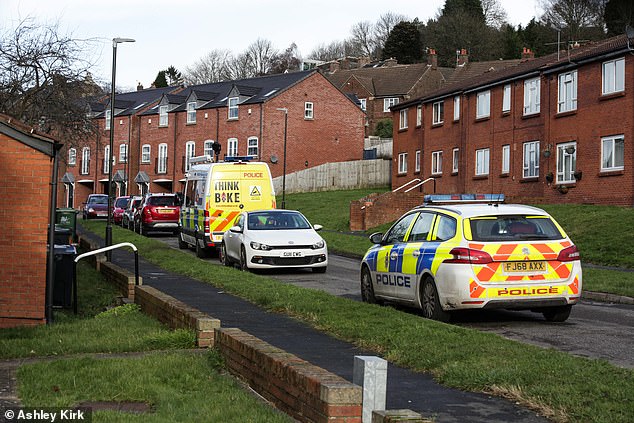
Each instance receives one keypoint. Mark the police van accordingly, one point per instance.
(215, 193)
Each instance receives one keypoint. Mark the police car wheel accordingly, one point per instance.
(557, 314)
(367, 291)
(244, 266)
(430, 303)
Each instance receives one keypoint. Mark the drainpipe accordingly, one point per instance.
(51, 236)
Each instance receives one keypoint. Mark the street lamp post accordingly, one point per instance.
(115, 41)
(285, 110)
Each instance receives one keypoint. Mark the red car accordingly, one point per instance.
(120, 204)
(158, 212)
(95, 206)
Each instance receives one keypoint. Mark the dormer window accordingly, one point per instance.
(163, 115)
(191, 112)
(233, 107)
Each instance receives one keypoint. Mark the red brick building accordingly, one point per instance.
(26, 166)
(552, 129)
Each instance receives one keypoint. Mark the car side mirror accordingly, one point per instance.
(236, 229)
(376, 238)
(317, 227)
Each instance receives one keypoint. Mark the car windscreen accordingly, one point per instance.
(512, 228)
(122, 203)
(167, 200)
(98, 200)
(267, 221)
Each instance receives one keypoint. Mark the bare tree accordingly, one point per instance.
(328, 52)
(260, 52)
(363, 38)
(239, 67)
(384, 26)
(210, 68)
(288, 60)
(494, 14)
(573, 16)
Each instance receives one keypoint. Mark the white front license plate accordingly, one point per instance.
(292, 254)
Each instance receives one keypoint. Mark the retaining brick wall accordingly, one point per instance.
(304, 391)
(122, 279)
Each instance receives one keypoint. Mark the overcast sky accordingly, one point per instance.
(180, 32)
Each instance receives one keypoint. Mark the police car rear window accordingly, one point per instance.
(511, 228)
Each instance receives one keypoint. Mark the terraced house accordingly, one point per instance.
(553, 129)
(156, 131)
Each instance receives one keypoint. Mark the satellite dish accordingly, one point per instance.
(274, 159)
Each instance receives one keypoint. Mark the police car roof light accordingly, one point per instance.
(201, 159)
(239, 158)
(463, 198)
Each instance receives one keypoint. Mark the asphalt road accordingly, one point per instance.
(594, 330)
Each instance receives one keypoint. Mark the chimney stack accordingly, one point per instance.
(139, 87)
(432, 58)
(527, 53)
(462, 57)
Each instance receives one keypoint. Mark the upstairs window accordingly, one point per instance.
(482, 162)
(106, 159)
(145, 153)
(208, 148)
(389, 102)
(108, 120)
(402, 121)
(233, 107)
(163, 121)
(162, 159)
(190, 151)
(252, 147)
(506, 99)
(419, 115)
(531, 96)
(613, 75)
(483, 104)
(123, 153)
(85, 161)
(364, 103)
(438, 109)
(191, 112)
(506, 158)
(567, 95)
(417, 163)
(232, 147)
(72, 157)
(456, 107)
(456, 158)
(308, 110)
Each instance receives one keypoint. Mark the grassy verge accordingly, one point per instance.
(564, 387)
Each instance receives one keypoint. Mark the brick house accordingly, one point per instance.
(26, 164)
(552, 129)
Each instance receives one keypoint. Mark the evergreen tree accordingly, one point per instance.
(618, 14)
(404, 43)
(471, 7)
(161, 80)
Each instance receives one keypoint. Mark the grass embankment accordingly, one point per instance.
(563, 387)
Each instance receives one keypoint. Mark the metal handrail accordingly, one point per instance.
(406, 184)
(423, 183)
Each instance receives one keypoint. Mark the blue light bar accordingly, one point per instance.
(239, 158)
(463, 198)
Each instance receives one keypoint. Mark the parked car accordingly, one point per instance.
(158, 212)
(127, 220)
(441, 258)
(120, 204)
(95, 206)
(265, 239)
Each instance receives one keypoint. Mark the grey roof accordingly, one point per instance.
(130, 103)
(141, 178)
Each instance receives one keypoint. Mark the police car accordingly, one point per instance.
(464, 254)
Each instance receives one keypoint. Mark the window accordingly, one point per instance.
(191, 112)
(106, 159)
(612, 153)
(389, 102)
(531, 96)
(531, 159)
(483, 104)
(72, 157)
(399, 230)
(417, 162)
(145, 153)
(162, 159)
(446, 228)
(402, 121)
(108, 120)
(85, 161)
(308, 110)
(456, 107)
(208, 148)
(456, 158)
(506, 99)
(436, 162)
(419, 115)
(252, 147)
(482, 162)
(402, 163)
(567, 96)
(422, 227)
(123, 153)
(566, 162)
(163, 121)
(364, 103)
(190, 151)
(613, 76)
(438, 109)
(232, 147)
(233, 107)
(506, 158)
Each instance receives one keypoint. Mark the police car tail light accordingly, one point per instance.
(463, 255)
(569, 254)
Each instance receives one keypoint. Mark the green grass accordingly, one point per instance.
(565, 387)
(179, 387)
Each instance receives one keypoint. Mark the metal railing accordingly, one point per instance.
(423, 183)
(406, 184)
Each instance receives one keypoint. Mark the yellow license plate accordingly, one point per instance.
(525, 266)
(165, 211)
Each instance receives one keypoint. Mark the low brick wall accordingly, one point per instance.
(177, 314)
(86, 245)
(304, 391)
(122, 279)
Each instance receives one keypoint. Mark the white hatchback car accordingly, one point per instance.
(265, 239)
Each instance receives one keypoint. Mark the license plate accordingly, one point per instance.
(525, 266)
(165, 211)
(292, 254)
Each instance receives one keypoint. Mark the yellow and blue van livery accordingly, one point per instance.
(442, 258)
(215, 194)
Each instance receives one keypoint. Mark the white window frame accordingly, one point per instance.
(232, 106)
(482, 162)
(566, 163)
(191, 112)
(438, 112)
(402, 163)
(123, 153)
(72, 156)
(363, 104)
(232, 147)
(613, 76)
(146, 153)
(309, 110)
(163, 117)
(162, 158)
(402, 119)
(106, 159)
(436, 162)
(532, 89)
(455, 155)
(108, 119)
(208, 149)
(85, 161)
(531, 159)
(506, 98)
(253, 148)
(419, 115)
(567, 92)
(389, 102)
(611, 162)
(483, 104)
(506, 158)
(190, 151)
(456, 107)
(417, 162)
